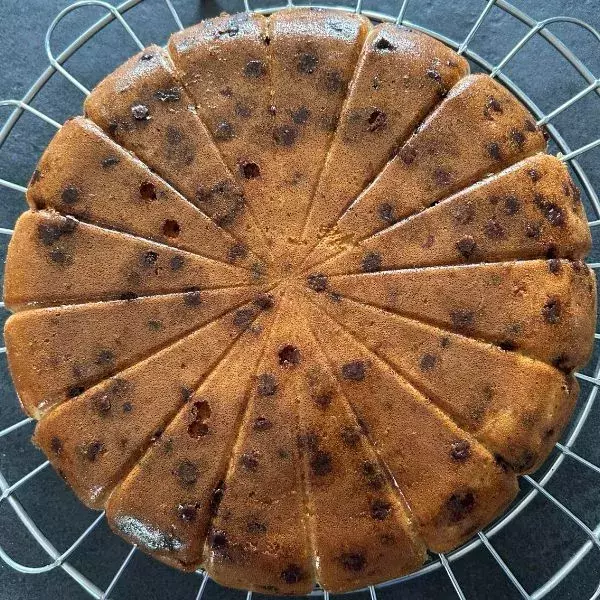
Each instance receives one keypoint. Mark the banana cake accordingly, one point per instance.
(298, 299)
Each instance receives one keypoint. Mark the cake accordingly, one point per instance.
(298, 300)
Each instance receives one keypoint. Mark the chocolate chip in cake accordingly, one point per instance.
(534, 175)
(307, 63)
(60, 256)
(533, 230)
(301, 116)
(173, 135)
(460, 450)
(186, 472)
(262, 424)
(224, 131)
(249, 460)
(236, 251)
(512, 205)
(518, 138)
(187, 512)
(267, 385)
(264, 302)
(171, 228)
(407, 154)
(384, 45)
(333, 81)
(140, 112)
(230, 30)
(249, 170)
(255, 69)
(146, 56)
(460, 505)
(110, 161)
(375, 478)
(371, 262)
(427, 362)
(128, 296)
(218, 540)
(494, 230)
(105, 357)
(530, 125)
(289, 356)
(56, 445)
(442, 177)
(552, 311)
(323, 400)
(445, 342)
(354, 370)
(508, 345)
(377, 120)
(466, 246)
(292, 574)
(256, 527)
(51, 232)
(147, 190)
(462, 318)
(243, 317)
(285, 135)
(321, 463)
(70, 195)
(353, 561)
(463, 214)
(149, 258)
(493, 149)
(172, 94)
(192, 297)
(387, 213)
(380, 509)
(93, 450)
(350, 436)
(492, 105)
(317, 282)
(200, 413)
(553, 213)
(554, 266)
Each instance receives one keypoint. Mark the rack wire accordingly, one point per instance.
(538, 489)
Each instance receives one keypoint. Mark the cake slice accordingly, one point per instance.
(54, 355)
(401, 75)
(451, 483)
(503, 303)
(360, 527)
(313, 53)
(58, 260)
(143, 107)
(202, 435)
(530, 210)
(258, 539)
(479, 129)
(516, 406)
(84, 174)
(96, 438)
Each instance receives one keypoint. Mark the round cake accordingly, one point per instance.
(298, 299)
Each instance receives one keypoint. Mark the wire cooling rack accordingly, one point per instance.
(535, 488)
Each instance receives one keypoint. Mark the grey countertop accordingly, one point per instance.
(534, 545)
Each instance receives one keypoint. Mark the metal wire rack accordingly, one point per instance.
(537, 488)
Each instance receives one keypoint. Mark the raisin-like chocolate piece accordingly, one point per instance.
(493, 149)
(427, 362)
(110, 161)
(494, 230)
(518, 138)
(466, 246)
(459, 505)
(264, 302)
(333, 81)
(262, 424)
(350, 436)
(442, 177)
(187, 472)
(301, 116)
(93, 450)
(285, 135)
(148, 190)
(317, 282)
(242, 110)
(534, 175)
(553, 213)
(380, 509)
(149, 258)
(384, 45)
(187, 512)
(200, 413)
(243, 317)
(56, 445)
(353, 561)
(289, 356)
(512, 205)
(371, 262)
(460, 450)
(292, 574)
(407, 154)
(224, 131)
(321, 463)
(492, 106)
(552, 311)
(533, 230)
(462, 318)
(237, 251)
(464, 213)
(140, 112)
(255, 69)
(375, 478)
(249, 170)
(218, 540)
(377, 120)
(307, 63)
(387, 212)
(70, 195)
(249, 460)
(192, 297)
(554, 266)
(354, 370)
(267, 385)
(323, 400)
(171, 228)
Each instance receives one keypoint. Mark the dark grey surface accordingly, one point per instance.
(534, 546)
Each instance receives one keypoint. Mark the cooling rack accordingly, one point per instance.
(535, 488)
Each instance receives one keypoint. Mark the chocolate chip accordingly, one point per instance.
(147, 190)
(50, 232)
(256, 527)
(308, 441)
(553, 213)
(60, 256)
(243, 317)
(493, 149)
(533, 230)
(463, 214)
(127, 407)
(70, 195)
(552, 311)
(149, 258)
(224, 131)
(387, 213)
(373, 475)
(255, 69)
(172, 94)
(517, 138)
(187, 512)
(146, 56)
(200, 413)
(442, 177)
(187, 472)
(353, 561)
(459, 505)
(466, 246)
(241, 110)
(218, 540)
(267, 385)
(285, 135)
(460, 450)
(301, 116)
(350, 436)
(237, 251)
(176, 263)
(249, 460)
(320, 463)
(262, 424)
(92, 450)
(462, 318)
(333, 81)
(530, 125)
(427, 362)
(264, 301)
(323, 400)
(249, 170)
(371, 262)
(554, 266)
(494, 230)
(192, 297)
(56, 445)
(445, 342)
(377, 120)
(105, 357)
(354, 370)
(380, 510)
(307, 63)
(534, 175)
(317, 282)
(407, 154)
(512, 205)
(289, 356)
(140, 112)
(292, 574)
(384, 45)
(507, 345)
(492, 105)
(110, 161)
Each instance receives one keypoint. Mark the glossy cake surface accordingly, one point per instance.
(298, 299)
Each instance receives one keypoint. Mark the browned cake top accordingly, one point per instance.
(298, 299)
